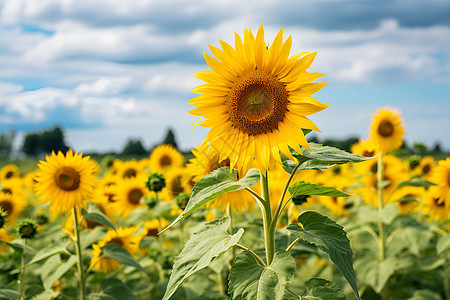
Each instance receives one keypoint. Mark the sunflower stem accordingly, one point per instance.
(381, 240)
(78, 252)
(280, 206)
(269, 230)
(22, 275)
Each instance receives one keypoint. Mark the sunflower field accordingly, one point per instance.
(255, 212)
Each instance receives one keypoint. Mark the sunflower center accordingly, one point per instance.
(117, 241)
(386, 128)
(152, 232)
(67, 179)
(129, 173)
(257, 103)
(6, 207)
(7, 191)
(9, 174)
(426, 169)
(368, 153)
(438, 202)
(134, 196)
(165, 161)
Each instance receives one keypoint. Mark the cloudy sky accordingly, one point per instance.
(107, 70)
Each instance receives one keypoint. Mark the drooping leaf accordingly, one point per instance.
(411, 239)
(89, 237)
(250, 280)
(46, 295)
(331, 238)
(116, 252)
(443, 244)
(53, 269)
(425, 295)
(205, 245)
(8, 293)
(18, 247)
(321, 289)
(369, 214)
(217, 183)
(48, 252)
(95, 215)
(113, 289)
(302, 188)
(415, 182)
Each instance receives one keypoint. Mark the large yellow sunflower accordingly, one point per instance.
(387, 130)
(256, 99)
(441, 177)
(207, 160)
(125, 238)
(66, 181)
(164, 158)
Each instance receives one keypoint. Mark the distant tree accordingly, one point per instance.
(6, 143)
(134, 147)
(170, 139)
(44, 142)
(420, 148)
(437, 148)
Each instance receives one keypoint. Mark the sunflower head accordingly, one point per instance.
(164, 158)
(9, 172)
(387, 130)
(156, 182)
(256, 100)
(67, 181)
(26, 229)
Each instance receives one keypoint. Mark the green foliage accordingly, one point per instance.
(331, 238)
(249, 280)
(8, 293)
(6, 143)
(443, 244)
(217, 183)
(302, 188)
(205, 245)
(94, 214)
(318, 289)
(48, 252)
(44, 142)
(113, 289)
(54, 268)
(170, 139)
(116, 252)
(415, 182)
(134, 147)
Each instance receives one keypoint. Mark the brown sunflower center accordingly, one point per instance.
(368, 153)
(134, 195)
(165, 161)
(426, 169)
(438, 202)
(386, 128)
(130, 172)
(9, 174)
(152, 232)
(257, 103)
(117, 241)
(6, 206)
(7, 191)
(67, 179)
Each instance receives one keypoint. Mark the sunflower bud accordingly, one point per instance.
(26, 229)
(151, 202)
(182, 200)
(156, 182)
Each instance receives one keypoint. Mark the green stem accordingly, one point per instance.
(22, 275)
(292, 244)
(260, 261)
(269, 230)
(381, 240)
(78, 252)
(280, 206)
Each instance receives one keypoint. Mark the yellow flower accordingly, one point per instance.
(125, 238)
(441, 177)
(207, 160)
(434, 206)
(14, 187)
(151, 228)
(256, 100)
(387, 130)
(129, 193)
(128, 169)
(175, 183)
(164, 158)
(407, 198)
(65, 181)
(13, 206)
(9, 172)
(4, 236)
(426, 167)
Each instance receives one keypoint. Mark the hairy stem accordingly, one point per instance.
(381, 240)
(78, 252)
(22, 275)
(260, 261)
(269, 230)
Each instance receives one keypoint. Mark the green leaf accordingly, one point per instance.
(411, 239)
(369, 214)
(319, 230)
(425, 295)
(53, 269)
(211, 186)
(116, 252)
(250, 280)
(321, 289)
(7, 293)
(94, 214)
(89, 237)
(113, 289)
(205, 245)
(415, 182)
(18, 247)
(389, 213)
(301, 188)
(46, 295)
(48, 252)
(443, 244)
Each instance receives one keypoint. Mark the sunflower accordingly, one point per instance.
(164, 158)
(364, 148)
(151, 228)
(387, 130)
(441, 177)
(12, 206)
(207, 160)
(9, 172)
(66, 181)
(256, 100)
(14, 187)
(129, 193)
(425, 167)
(125, 238)
(175, 183)
(434, 206)
(5, 237)
(128, 169)
(407, 198)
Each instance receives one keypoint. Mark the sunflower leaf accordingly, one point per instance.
(18, 247)
(250, 280)
(322, 289)
(113, 289)
(329, 236)
(217, 183)
(48, 252)
(116, 252)
(302, 188)
(94, 214)
(415, 182)
(204, 246)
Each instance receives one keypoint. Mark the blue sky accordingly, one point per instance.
(107, 70)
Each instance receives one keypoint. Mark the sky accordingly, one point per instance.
(109, 70)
